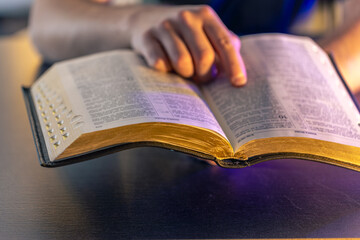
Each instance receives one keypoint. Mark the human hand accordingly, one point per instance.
(190, 40)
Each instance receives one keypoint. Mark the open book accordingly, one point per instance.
(295, 105)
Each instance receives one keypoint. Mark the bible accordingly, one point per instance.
(295, 105)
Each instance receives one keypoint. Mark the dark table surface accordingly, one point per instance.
(155, 193)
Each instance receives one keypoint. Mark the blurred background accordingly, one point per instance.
(13, 15)
(313, 18)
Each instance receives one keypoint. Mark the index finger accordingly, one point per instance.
(231, 60)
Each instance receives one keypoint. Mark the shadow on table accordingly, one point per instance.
(155, 193)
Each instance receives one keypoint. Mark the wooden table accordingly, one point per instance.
(155, 193)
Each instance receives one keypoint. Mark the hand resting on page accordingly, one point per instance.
(189, 40)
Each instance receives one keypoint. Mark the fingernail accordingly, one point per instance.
(238, 81)
(161, 65)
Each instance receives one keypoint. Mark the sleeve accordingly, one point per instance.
(254, 16)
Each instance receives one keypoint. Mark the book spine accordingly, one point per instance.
(35, 128)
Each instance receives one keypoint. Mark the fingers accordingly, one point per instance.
(175, 48)
(229, 56)
(193, 43)
(200, 48)
(227, 47)
(152, 52)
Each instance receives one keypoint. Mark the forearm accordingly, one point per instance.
(62, 29)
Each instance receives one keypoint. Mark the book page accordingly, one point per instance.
(293, 91)
(116, 88)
